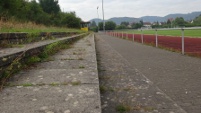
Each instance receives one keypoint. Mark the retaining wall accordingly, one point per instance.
(9, 55)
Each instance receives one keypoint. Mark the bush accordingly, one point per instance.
(40, 13)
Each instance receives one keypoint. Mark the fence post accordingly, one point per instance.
(133, 36)
(142, 36)
(182, 30)
(156, 38)
(122, 34)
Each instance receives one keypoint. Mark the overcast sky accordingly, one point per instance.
(87, 9)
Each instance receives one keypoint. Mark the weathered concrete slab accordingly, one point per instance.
(68, 84)
(55, 76)
(69, 64)
(50, 99)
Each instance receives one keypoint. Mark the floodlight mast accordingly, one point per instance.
(103, 17)
(98, 18)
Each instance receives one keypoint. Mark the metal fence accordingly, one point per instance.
(186, 44)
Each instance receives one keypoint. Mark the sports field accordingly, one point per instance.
(166, 38)
(195, 33)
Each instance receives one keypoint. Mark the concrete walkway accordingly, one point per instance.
(176, 75)
(68, 84)
(124, 88)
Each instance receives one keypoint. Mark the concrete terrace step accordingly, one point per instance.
(8, 55)
(24, 38)
(68, 84)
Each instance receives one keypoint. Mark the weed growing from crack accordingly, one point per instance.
(54, 84)
(68, 59)
(111, 89)
(105, 77)
(27, 85)
(33, 59)
(123, 108)
(80, 59)
(81, 67)
(103, 89)
(148, 109)
(76, 83)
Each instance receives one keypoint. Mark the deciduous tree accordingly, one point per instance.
(50, 6)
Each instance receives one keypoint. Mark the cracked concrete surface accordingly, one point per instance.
(68, 84)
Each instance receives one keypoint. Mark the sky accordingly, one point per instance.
(87, 9)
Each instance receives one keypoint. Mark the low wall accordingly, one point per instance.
(23, 38)
(21, 54)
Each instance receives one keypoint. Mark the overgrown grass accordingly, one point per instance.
(14, 26)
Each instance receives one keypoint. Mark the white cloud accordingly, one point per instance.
(87, 9)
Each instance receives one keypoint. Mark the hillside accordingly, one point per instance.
(118, 20)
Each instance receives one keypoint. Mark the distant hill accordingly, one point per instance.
(118, 20)
(96, 20)
(187, 17)
(153, 19)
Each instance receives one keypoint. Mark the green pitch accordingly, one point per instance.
(187, 33)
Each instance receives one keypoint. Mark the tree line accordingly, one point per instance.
(179, 22)
(170, 23)
(45, 12)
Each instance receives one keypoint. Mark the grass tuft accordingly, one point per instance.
(103, 89)
(76, 83)
(123, 108)
(81, 67)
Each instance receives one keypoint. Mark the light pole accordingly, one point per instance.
(98, 18)
(103, 17)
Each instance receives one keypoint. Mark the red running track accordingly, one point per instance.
(192, 45)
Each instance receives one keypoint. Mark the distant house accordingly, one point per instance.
(155, 23)
(130, 24)
(147, 25)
